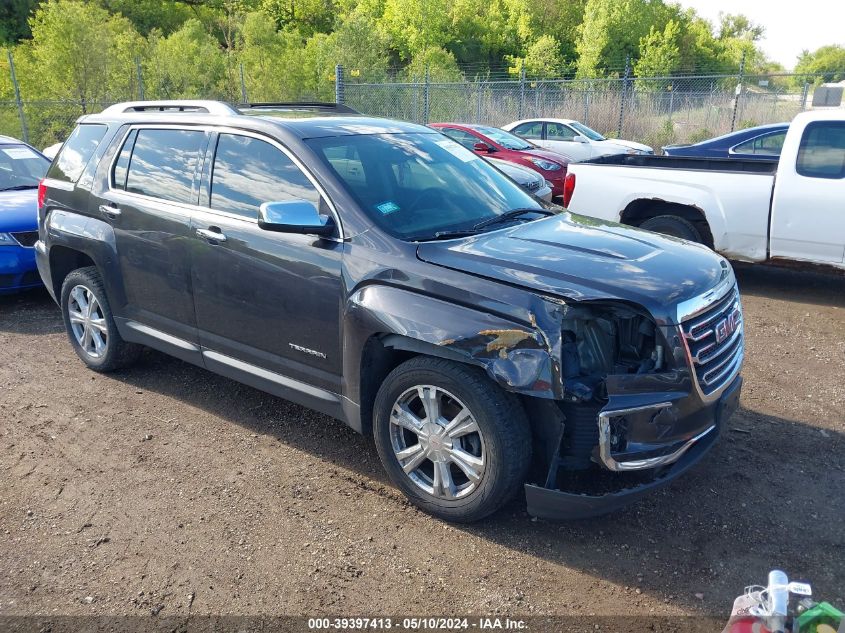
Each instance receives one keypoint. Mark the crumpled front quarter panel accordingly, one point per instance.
(519, 356)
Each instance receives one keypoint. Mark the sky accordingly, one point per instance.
(791, 26)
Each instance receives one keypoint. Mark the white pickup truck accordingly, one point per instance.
(747, 210)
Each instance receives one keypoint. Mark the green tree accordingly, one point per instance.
(14, 20)
(414, 26)
(440, 63)
(165, 15)
(612, 30)
(305, 16)
(273, 69)
(187, 64)
(80, 52)
(483, 31)
(560, 20)
(542, 59)
(824, 65)
(659, 54)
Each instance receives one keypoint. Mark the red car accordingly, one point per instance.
(485, 140)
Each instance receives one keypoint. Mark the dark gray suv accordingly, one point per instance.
(381, 273)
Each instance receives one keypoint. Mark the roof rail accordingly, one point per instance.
(299, 105)
(177, 105)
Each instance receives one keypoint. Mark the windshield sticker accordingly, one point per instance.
(19, 153)
(457, 149)
(387, 207)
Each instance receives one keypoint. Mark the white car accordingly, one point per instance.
(51, 151)
(573, 139)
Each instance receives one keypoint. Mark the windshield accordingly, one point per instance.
(21, 167)
(415, 186)
(505, 139)
(588, 132)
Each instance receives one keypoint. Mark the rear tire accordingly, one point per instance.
(90, 325)
(456, 444)
(673, 226)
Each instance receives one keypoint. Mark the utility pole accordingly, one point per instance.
(624, 94)
(24, 130)
(739, 89)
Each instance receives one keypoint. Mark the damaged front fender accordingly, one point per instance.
(520, 356)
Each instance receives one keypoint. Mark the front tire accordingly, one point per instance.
(90, 325)
(456, 444)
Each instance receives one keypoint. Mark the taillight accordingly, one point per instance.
(42, 193)
(568, 189)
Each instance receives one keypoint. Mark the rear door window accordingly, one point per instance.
(163, 164)
(560, 132)
(76, 152)
(766, 145)
(822, 150)
(248, 172)
(532, 130)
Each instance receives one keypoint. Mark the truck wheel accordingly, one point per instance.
(674, 226)
(90, 325)
(455, 443)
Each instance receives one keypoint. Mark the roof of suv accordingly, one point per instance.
(306, 120)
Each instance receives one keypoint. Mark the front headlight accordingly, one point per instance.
(7, 240)
(545, 164)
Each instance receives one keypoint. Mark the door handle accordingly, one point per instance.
(110, 211)
(212, 235)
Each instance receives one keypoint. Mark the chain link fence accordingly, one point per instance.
(655, 110)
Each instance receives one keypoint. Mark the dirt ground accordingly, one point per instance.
(167, 489)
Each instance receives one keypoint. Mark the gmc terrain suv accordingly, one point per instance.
(383, 274)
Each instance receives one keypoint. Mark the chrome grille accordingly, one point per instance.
(714, 339)
(26, 238)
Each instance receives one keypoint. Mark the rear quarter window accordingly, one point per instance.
(77, 151)
(822, 150)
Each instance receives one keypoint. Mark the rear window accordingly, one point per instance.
(76, 152)
(822, 150)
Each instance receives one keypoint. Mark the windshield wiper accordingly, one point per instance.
(447, 235)
(478, 228)
(508, 215)
(19, 188)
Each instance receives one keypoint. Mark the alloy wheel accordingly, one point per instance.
(87, 321)
(437, 442)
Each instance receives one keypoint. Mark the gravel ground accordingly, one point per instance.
(166, 489)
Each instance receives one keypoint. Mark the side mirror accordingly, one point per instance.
(482, 147)
(581, 139)
(294, 216)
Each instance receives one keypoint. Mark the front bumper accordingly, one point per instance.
(682, 454)
(17, 269)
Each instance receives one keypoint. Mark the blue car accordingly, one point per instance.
(21, 169)
(763, 142)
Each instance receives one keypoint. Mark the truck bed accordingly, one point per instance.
(695, 164)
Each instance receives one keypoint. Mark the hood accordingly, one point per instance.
(577, 258)
(547, 154)
(18, 210)
(618, 142)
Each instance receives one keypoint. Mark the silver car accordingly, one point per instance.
(528, 179)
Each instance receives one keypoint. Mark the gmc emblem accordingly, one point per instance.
(727, 326)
